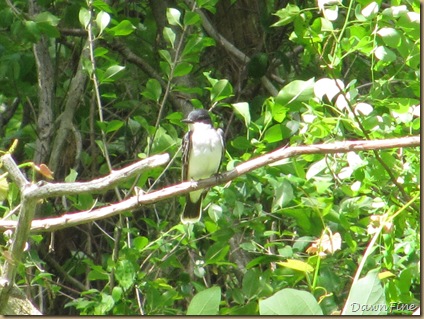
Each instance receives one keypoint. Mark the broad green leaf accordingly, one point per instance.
(250, 284)
(102, 21)
(84, 17)
(125, 27)
(221, 90)
(290, 302)
(191, 18)
(242, 108)
(173, 15)
(183, 68)
(366, 297)
(102, 5)
(113, 126)
(117, 293)
(273, 134)
(125, 273)
(206, 302)
(295, 92)
(153, 90)
(217, 253)
(100, 51)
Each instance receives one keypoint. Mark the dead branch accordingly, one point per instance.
(73, 219)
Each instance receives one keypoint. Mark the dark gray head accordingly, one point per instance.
(198, 116)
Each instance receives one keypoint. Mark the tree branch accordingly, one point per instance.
(231, 48)
(45, 77)
(74, 219)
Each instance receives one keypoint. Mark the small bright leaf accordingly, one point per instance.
(169, 36)
(111, 71)
(102, 20)
(242, 108)
(173, 15)
(84, 17)
(296, 265)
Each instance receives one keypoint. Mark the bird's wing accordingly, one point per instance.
(186, 148)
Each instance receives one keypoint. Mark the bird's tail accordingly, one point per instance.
(192, 210)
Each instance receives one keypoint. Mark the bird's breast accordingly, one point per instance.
(205, 155)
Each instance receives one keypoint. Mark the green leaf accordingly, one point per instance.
(283, 194)
(105, 305)
(125, 274)
(278, 112)
(47, 17)
(385, 54)
(191, 18)
(173, 15)
(217, 253)
(113, 126)
(110, 72)
(273, 134)
(183, 68)
(296, 92)
(221, 90)
(117, 293)
(250, 284)
(290, 302)
(102, 21)
(242, 108)
(391, 36)
(366, 297)
(205, 302)
(169, 36)
(124, 28)
(84, 17)
(316, 168)
(286, 15)
(140, 242)
(153, 90)
(297, 265)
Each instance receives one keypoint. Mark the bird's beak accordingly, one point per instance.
(186, 121)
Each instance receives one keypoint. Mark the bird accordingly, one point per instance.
(202, 152)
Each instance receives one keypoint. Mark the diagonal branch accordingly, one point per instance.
(73, 219)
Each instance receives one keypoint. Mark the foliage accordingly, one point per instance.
(285, 239)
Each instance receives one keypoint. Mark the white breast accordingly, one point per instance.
(206, 152)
